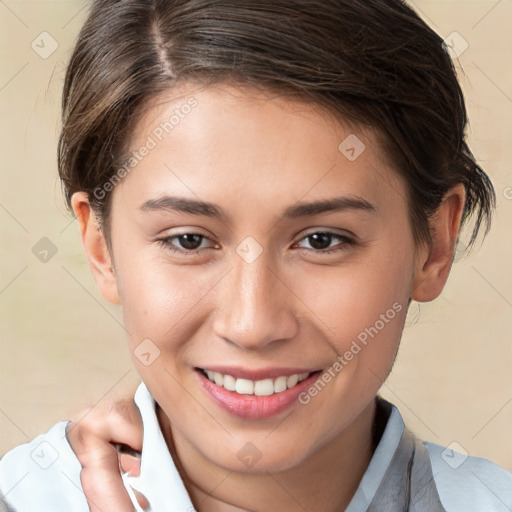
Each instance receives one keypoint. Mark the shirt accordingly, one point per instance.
(404, 474)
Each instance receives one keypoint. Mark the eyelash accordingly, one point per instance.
(346, 241)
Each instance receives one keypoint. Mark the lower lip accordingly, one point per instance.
(252, 407)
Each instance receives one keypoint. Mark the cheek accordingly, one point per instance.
(166, 302)
(361, 309)
(347, 299)
(158, 297)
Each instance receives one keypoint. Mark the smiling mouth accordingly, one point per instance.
(265, 387)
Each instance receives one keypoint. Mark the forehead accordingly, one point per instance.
(223, 141)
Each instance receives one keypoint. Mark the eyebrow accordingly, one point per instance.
(302, 209)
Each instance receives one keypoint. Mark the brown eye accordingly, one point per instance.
(320, 242)
(190, 241)
(186, 243)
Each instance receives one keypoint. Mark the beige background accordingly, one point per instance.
(62, 346)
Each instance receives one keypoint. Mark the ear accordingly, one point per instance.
(436, 258)
(95, 248)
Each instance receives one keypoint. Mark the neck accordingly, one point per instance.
(325, 481)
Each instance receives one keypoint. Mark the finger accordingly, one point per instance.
(126, 424)
(141, 499)
(119, 423)
(101, 480)
(129, 464)
(90, 435)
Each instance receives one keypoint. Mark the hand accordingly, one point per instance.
(107, 439)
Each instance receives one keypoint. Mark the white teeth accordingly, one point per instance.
(229, 383)
(244, 386)
(292, 380)
(280, 384)
(263, 387)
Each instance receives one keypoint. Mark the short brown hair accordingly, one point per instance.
(374, 62)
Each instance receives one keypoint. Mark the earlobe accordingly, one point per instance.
(434, 266)
(95, 248)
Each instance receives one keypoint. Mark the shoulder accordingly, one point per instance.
(42, 475)
(463, 483)
(467, 483)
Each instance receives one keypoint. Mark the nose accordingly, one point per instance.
(256, 306)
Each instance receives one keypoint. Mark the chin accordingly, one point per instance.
(254, 457)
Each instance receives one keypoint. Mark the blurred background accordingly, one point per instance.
(62, 346)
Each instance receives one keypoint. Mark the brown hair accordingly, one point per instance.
(374, 62)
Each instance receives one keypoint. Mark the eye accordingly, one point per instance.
(190, 243)
(321, 240)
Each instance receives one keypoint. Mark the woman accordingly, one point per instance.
(264, 187)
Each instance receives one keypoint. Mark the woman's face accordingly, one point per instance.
(220, 240)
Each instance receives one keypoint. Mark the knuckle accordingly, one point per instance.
(125, 410)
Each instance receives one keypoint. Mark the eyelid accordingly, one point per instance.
(331, 231)
(345, 242)
(164, 241)
(347, 237)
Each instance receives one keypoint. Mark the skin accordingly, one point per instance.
(293, 306)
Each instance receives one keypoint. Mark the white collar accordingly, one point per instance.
(162, 485)
(159, 480)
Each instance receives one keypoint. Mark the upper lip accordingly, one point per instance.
(257, 373)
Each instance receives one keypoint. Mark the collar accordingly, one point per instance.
(382, 457)
(158, 471)
(159, 479)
